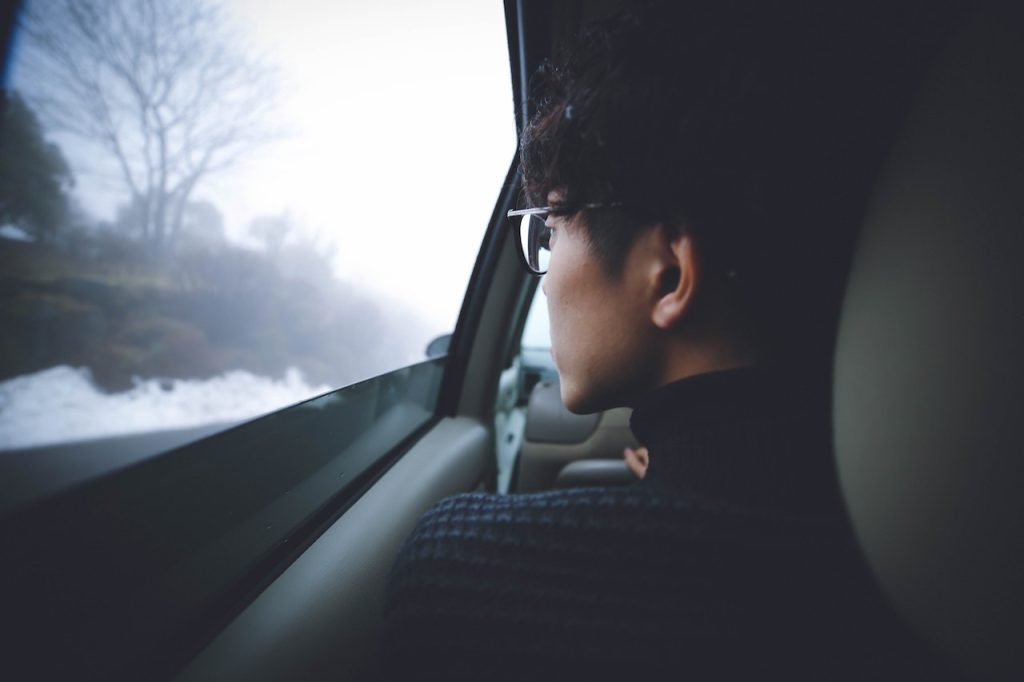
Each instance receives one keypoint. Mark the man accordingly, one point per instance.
(698, 171)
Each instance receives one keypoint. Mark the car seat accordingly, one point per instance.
(929, 373)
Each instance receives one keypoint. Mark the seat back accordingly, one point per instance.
(929, 373)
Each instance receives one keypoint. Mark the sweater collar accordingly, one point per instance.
(751, 436)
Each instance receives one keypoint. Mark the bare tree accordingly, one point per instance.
(158, 84)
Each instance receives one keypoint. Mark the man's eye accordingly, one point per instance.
(547, 236)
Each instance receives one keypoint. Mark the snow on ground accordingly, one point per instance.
(61, 404)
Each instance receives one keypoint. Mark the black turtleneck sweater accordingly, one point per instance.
(732, 559)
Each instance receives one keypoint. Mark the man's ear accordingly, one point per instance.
(677, 278)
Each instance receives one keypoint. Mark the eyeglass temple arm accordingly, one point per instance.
(528, 211)
(541, 210)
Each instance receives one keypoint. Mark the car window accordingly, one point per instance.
(212, 210)
(530, 365)
(535, 346)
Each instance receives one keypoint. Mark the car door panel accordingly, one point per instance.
(321, 618)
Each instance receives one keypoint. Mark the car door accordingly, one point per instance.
(238, 546)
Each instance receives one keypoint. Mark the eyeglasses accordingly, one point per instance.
(535, 235)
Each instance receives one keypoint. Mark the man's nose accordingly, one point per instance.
(544, 284)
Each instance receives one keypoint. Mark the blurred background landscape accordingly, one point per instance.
(115, 312)
(210, 210)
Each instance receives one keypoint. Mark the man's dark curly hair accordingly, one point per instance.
(756, 125)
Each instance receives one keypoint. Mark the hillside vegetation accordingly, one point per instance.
(108, 304)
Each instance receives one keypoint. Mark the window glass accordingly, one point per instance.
(531, 365)
(537, 362)
(210, 210)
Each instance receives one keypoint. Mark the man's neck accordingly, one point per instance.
(690, 359)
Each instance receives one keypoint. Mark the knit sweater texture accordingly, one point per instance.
(732, 559)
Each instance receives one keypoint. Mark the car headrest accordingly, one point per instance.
(929, 369)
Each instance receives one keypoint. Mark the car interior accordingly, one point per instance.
(928, 386)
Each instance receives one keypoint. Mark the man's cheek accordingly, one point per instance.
(556, 337)
(554, 320)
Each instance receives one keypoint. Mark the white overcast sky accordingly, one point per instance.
(401, 130)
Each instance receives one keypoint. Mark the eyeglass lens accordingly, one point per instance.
(534, 238)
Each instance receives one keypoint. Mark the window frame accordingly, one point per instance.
(160, 654)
